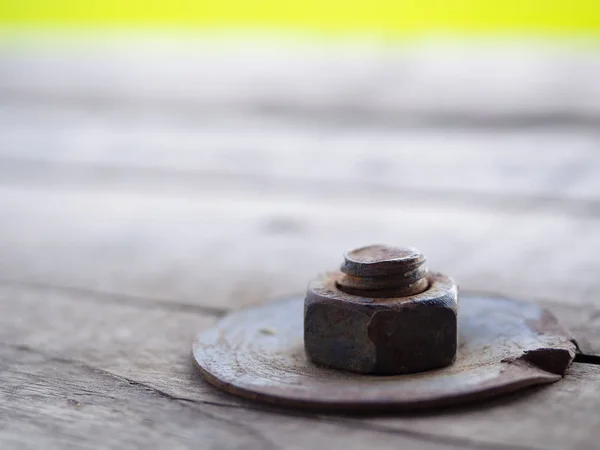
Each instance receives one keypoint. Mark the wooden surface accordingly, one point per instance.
(126, 227)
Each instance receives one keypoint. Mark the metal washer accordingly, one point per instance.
(504, 345)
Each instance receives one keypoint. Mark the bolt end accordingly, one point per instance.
(383, 271)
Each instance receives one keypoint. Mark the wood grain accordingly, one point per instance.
(55, 403)
(536, 419)
(147, 352)
(170, 248)
(135, 211)
(548, 168)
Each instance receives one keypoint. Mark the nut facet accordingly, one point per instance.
(382, 334)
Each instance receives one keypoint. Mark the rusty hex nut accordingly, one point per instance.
(381, 335)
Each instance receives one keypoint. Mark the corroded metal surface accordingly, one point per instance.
(381, 335)
(383, 271)
(381, 260)
(505, 345)
(383, 314)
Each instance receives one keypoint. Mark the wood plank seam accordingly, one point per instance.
(211, 311)
(346, 114)
(206, 310)
(96, 175)
(584, 358)
(119, 298)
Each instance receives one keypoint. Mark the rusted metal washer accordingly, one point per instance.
(504, 346)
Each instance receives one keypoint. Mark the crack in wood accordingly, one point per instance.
(344, 421)
(118, 298)
(265, 442)
(585, 358)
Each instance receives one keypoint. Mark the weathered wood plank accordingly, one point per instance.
(124, 231)
(421, 80)
(100, 374)
(146, 341)
(149, 345)
(583, 323)
(56, 403)
(556, 417)
(224, 249)
(519, 168)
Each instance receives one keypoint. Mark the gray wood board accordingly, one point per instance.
(425, 79)
(75, 355)
(540, 167)
(135, 212)
(55, 403)
(223, 249)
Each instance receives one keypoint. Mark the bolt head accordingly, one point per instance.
(381, 335)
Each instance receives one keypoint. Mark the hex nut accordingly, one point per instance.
(385, 336)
